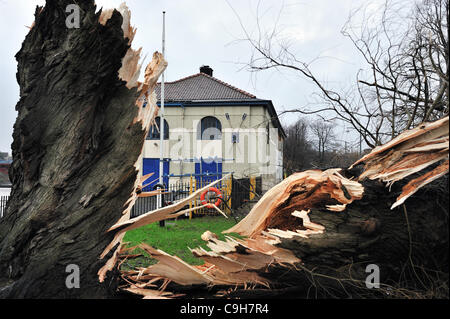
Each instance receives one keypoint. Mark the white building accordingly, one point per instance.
(214, 128)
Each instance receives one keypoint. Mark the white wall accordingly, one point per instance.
(251, 156)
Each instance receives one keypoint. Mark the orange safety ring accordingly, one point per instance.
(211, 189)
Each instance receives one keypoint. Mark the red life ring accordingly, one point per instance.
(211, 189)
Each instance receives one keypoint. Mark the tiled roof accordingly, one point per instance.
(200, 86)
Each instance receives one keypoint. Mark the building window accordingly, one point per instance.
(153, 133)
(210, 129)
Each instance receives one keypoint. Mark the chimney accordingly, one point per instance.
(206, 69)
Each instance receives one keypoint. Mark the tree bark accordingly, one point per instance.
(368, 232)
(76, 142)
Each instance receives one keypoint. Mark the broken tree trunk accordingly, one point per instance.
(78, 138)
(316, 232)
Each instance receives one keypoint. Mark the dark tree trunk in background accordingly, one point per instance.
(74, 148)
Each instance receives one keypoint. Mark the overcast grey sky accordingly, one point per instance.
(205, 32)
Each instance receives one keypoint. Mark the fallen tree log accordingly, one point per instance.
(77, 144)
(328, 261)
(315, 233)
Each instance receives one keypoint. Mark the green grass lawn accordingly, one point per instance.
(175, 238)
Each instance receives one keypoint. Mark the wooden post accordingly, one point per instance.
(229, 186)
(252, 187)
(191, 185)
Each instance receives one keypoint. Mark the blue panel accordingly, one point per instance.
(151, 165)
(197, 168)
(211, 170)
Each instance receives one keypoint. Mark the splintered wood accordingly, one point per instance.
(410, 152)
(125, 223)
(241, 262)
(300, 191)
(129, 72)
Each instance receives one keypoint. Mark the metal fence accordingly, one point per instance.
(245, 190)
(181, 189)
(3, 201)
(235, 193)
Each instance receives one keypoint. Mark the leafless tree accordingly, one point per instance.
(309, 146)
(324, 135)
(406, 79)
(408, 60)
(297, 152)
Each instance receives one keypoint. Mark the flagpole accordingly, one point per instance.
(161, 125)
(161, 110)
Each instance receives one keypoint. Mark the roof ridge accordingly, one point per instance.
(228, 85)
(214, 79)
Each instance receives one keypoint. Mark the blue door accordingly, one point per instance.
(151, 165)
(210, 170)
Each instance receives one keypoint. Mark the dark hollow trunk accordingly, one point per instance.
(74, 148)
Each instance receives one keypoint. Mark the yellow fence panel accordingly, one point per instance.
(252, 188)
